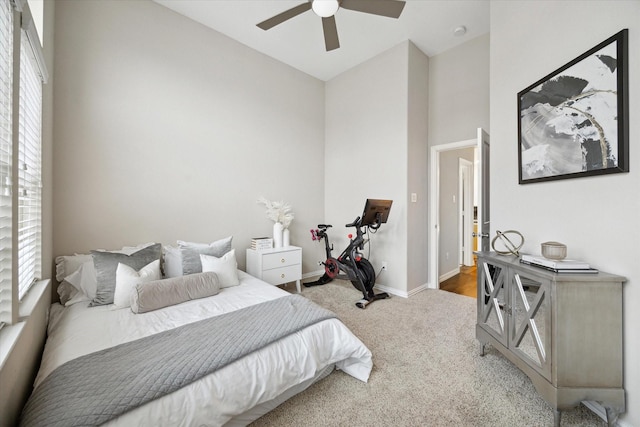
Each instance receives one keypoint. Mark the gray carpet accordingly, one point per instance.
(427, 371)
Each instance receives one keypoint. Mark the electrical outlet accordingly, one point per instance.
(384, 265)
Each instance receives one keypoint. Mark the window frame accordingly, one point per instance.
(21, 238)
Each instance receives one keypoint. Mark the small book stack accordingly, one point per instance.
(261, 243)
(558, 266)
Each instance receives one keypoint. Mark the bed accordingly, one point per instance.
(235, 394)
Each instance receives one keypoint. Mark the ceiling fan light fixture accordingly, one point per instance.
(325, 8)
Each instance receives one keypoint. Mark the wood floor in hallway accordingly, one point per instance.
(463, 283)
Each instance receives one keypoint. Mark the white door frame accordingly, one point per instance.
(434, 206)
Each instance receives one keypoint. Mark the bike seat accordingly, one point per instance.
(324, 226)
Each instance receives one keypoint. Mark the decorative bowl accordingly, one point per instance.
(554, 250)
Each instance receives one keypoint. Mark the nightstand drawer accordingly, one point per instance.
(281, 259)
(277, 276)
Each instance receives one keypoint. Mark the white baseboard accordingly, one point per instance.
(392, 291)
(449, 275)
(418, 289)
(401, 293)
(309, 275)
(380, 288)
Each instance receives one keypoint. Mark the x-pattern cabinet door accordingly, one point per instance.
(492, 299)
(529, 310)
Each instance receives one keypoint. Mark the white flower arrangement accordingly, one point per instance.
(278, 211)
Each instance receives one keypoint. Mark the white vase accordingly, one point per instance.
(277, 234)
(286, 238)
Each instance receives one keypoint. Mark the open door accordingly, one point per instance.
(484, 217)
(465, 211)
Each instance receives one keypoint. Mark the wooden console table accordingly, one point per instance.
(564, 331)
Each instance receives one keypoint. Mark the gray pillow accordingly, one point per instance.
(106, 264)
(66, 291)
(191, 252)
(163, 293)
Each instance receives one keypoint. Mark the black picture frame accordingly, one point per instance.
(574, 122)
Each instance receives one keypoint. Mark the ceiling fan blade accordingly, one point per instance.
(331, 41)
(287, 14)
(389, 8)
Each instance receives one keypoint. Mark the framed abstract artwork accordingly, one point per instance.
(575, 121)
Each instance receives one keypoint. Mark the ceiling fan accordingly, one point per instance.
(326, 9)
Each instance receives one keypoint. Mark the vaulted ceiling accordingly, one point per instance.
(299, 42)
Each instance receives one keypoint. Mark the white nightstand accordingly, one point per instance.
(276, 266)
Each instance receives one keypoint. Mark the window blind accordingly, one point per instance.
(29, 164)
(6, 107)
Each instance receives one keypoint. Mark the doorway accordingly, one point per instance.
(437, 228)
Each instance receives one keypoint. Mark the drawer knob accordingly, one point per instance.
(282, 276)
(282, 260)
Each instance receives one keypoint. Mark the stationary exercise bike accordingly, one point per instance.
(351, 265)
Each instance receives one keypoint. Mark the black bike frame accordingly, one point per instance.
(346, 262)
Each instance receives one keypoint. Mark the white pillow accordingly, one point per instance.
(172, 261)
(127, 278)
(84, 279)
(69, 264)
(225, 267)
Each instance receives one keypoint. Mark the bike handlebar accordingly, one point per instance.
(355, 223)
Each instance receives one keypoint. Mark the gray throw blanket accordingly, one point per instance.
(96, 388)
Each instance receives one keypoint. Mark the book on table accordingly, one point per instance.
(559, 266)
(261, 243)
(563, 270)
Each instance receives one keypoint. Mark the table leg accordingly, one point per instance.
(612, 416)
(556, 417)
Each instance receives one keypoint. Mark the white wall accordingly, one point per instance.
(367, 153)
(459, 92)
(166, 130)
(596, 217)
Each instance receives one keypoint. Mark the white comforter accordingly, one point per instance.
(233, 390)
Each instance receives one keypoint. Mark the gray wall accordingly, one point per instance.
(595, 217)
(370, 137)
(166, 130)
(417, 176)
(458, 106)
